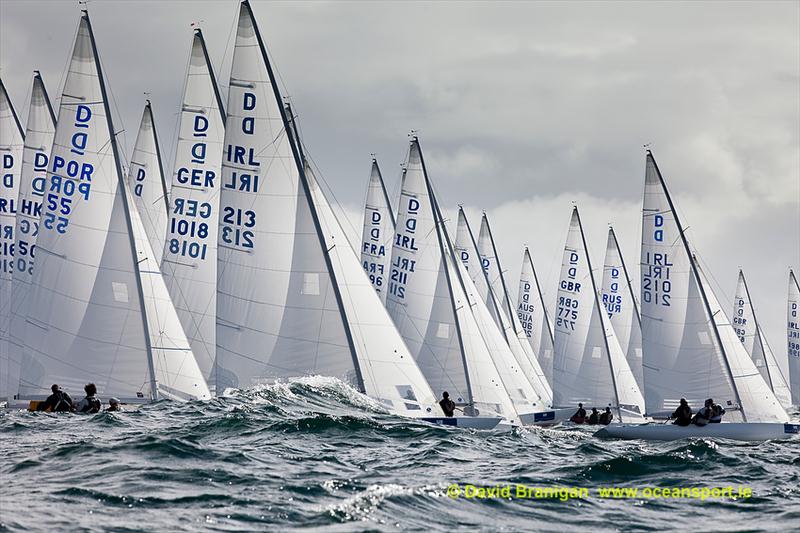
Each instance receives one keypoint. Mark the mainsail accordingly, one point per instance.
(509, 320)
(293, 298)
(621, 306)
(755, 342)
(589, 365)
(533, 318)
(429, 305)
(147, 181)
(11, 147)
(189, 263)
(39, 133)
(376, 237)
(88, 307)
(793, 337)
(686, 337)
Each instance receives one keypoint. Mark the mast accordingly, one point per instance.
(299, 159)
(447, 253)
(11, 106)
(600, 310)
(126, 209)
(38, 76)
(385, 194)
(506, 300)
(211, 75)
(758, 330)
(158, 156)
(700, 286)
(541, 298)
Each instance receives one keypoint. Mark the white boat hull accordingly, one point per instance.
(474, 422)
(756, 431)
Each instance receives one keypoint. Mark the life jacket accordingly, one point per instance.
(93, 405)
(62, 404)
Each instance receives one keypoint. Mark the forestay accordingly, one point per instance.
(589, 365)
(755, 343)
(39, 133)
(189, 263)
(87, 317)
(11, 148)
(430, 308)
(623, 310)
(509, 321)
(376, 237)
(148, 183)
(686, 337)
(532, 314)
(793, 337)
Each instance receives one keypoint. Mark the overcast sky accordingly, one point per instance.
(521, 108)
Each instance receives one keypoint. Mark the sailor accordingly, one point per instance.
(580, 415)
(447, 405)
(594, 418)
(90, 404)
(606, 417)
(113, 405)
(716, 412)
(58, 402)
(703, 416)
(683, 414)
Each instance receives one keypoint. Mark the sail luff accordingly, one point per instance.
(160, 160)
(126, 210)
(757, 331)
(505, 297)
(793, 336)
(701, 288)
(628, 280)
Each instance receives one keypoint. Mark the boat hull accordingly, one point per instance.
(474, 422)
(756, 431)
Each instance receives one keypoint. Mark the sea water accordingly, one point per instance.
(315, 454)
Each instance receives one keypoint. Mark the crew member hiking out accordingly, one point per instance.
(606, 417)
(703, 416)
(447, 405)
(580, 415)
(91, 404)
(716, 412)
(58, 402)
(683, 414)
(594, 418)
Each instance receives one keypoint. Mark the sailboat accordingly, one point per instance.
(39, 132)
(755, 342)
(98, 309)
(528, 383)
(430, 306)
(293, 299)
(620, 304)
(793, 337)
(376, 237)
(189, 261)
(147, 181)
(532, 314)
(12, 139)
(589, 365)
(509, 319)
(690, 347)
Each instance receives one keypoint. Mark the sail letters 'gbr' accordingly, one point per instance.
(70, 178)
(656, 284)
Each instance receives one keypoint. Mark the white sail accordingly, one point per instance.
(757, 399)
(755, 343)
(86, 314)
(509, 320)
(533, 318)
(376, 237)
(430, 308)
(620, 304)
(589, 365)
(793, 337)
(39, 133)
(148, 183)
(11, 149)
(685, 336)
(388, 371)
(189, 263)
(278, 314)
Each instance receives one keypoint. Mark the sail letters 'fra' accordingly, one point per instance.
(69, 176)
